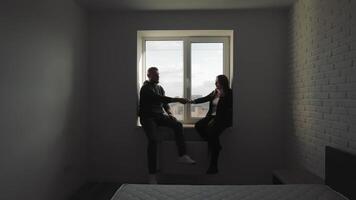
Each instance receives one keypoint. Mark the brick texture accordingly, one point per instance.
(322, 81)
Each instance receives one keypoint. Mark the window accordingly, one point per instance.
(188, 62)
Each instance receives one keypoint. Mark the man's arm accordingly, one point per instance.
(151, 94)
(167, 108)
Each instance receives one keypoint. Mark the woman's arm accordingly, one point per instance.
(204, 99)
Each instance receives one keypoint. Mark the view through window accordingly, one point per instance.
(167, 56)
(188, 68)
(207, 63)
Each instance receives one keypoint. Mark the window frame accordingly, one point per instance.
(188, 38)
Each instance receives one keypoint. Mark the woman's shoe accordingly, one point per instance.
(152, 179)
(212, 170)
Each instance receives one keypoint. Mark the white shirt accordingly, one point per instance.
(214, 105)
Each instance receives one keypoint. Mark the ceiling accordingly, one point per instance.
(182, 4)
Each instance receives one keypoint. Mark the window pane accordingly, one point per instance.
(167, 56)
(207, 63)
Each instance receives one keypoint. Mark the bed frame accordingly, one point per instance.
(340, 171)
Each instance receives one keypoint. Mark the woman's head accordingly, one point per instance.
(222, 82)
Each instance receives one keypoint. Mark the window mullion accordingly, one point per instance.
(186, 81)
(189, 78)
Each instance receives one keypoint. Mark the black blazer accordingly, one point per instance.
(224, 107)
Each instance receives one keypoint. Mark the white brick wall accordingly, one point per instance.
(322, 81)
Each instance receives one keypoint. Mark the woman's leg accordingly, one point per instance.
(215, 146)
(201, 126)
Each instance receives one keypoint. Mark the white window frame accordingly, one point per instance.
(188, 37)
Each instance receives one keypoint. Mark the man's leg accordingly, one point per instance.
(177, 128)
(179, 137)
(150, 127)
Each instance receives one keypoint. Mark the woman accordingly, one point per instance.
(218, 118)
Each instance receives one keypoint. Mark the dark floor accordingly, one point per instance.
(96, 191)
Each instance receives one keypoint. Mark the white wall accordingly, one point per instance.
(43, 95)
(251, 149)
(322, 71)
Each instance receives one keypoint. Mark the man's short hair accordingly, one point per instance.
(152, 69)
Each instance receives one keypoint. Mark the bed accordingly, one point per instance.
(336, 181)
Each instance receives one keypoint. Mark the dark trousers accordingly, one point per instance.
(210, 131)
(150, 125)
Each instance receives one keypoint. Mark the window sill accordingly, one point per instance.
(185, 126)
(188, 126)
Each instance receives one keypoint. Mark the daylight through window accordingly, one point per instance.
(188, 67)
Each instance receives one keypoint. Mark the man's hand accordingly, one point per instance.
(191, 102)
(182, 100)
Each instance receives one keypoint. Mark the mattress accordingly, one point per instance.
(227, 192)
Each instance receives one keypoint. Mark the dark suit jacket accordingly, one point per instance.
(224, 107)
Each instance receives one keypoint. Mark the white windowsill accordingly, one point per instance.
(185, 126)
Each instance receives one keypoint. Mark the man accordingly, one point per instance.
(152, 103)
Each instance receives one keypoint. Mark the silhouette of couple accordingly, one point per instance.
(153, 103)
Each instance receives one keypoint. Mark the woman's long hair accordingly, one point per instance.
(224, 82)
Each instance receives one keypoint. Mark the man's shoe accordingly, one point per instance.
(185, 159)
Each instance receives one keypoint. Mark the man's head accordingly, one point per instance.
(153, 75)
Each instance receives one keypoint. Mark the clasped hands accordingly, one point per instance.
(184, 100)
